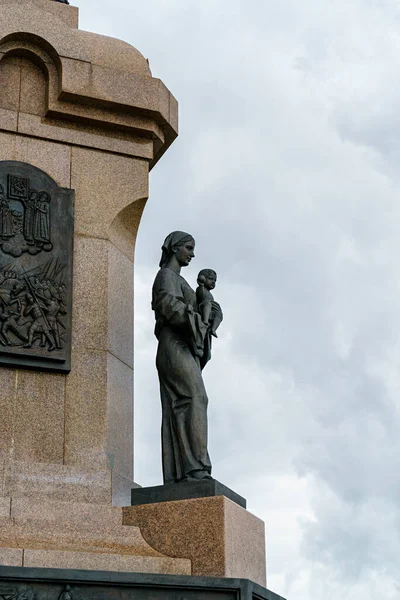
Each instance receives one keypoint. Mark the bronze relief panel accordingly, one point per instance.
(36, 252)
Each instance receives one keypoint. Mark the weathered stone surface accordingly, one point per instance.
(96, 72)
(59, 482)
(7, 411)
(80, 535)
(27, 398)
(120, 302)
(120, 416)
(39, 417)
(11, 557)
(120, 181)
(86, 410)
(10, 74)
(219, 537)
(5, 508)
(106, 562)
(32, 89)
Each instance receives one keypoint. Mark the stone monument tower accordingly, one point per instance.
(82, 122)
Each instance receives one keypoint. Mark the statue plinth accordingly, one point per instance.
(220, 538)
(207, 488)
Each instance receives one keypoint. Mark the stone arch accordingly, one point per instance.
(29, 71)
(124, 228)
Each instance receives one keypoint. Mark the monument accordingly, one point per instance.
(82, 122)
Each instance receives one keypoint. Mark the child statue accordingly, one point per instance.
(209, 309)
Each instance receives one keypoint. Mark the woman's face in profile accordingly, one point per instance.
(185, 253)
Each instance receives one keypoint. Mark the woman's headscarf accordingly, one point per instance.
(176, 238)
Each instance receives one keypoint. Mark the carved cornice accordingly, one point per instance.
(119, 96)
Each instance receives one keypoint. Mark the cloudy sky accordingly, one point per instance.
(287, 173)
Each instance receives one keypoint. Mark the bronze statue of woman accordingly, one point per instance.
(180, 332)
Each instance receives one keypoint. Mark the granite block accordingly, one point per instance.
(61, 107)
(120, 306)
(33, 89)
(3, 477)
(11, 557)
(244, 545)
(67, 13)
(119, 182)
(208, 532)
(39, 417)
(173, 113)
(67, 535)
(106, 562)
(90, 294)
(105, 85)
(10, 78)
(8, 144)
(51, 157)
(120, 416)
(59, 482)
(7, 412)
(41, 23)
(57, 512)
(86, 410)
(55, 129)
(5, 508)
(191, 529)
(8, 119)
(124, 228)
(121, 489)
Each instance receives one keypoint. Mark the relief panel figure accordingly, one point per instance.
(41, 232)
(6, 217)
(29, 216)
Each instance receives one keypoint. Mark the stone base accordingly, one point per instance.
(184, 491)
(52, 584)
(220, 538)
(38, 532)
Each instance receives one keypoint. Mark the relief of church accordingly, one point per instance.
(24, 218)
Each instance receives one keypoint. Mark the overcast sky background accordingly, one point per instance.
(287, 173)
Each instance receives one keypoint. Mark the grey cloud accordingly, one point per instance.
(286, 172)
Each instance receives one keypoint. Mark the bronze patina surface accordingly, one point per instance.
(36, 245)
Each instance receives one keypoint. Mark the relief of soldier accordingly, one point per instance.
(22, 592)
(26, 230)
(32, 308)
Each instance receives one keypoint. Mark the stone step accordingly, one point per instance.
(59, 482)
(83, 515)
(36, 531)
(94, 561)
(40, 534)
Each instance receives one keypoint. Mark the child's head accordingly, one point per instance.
(208, 277)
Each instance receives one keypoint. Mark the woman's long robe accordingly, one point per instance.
(180, 333)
